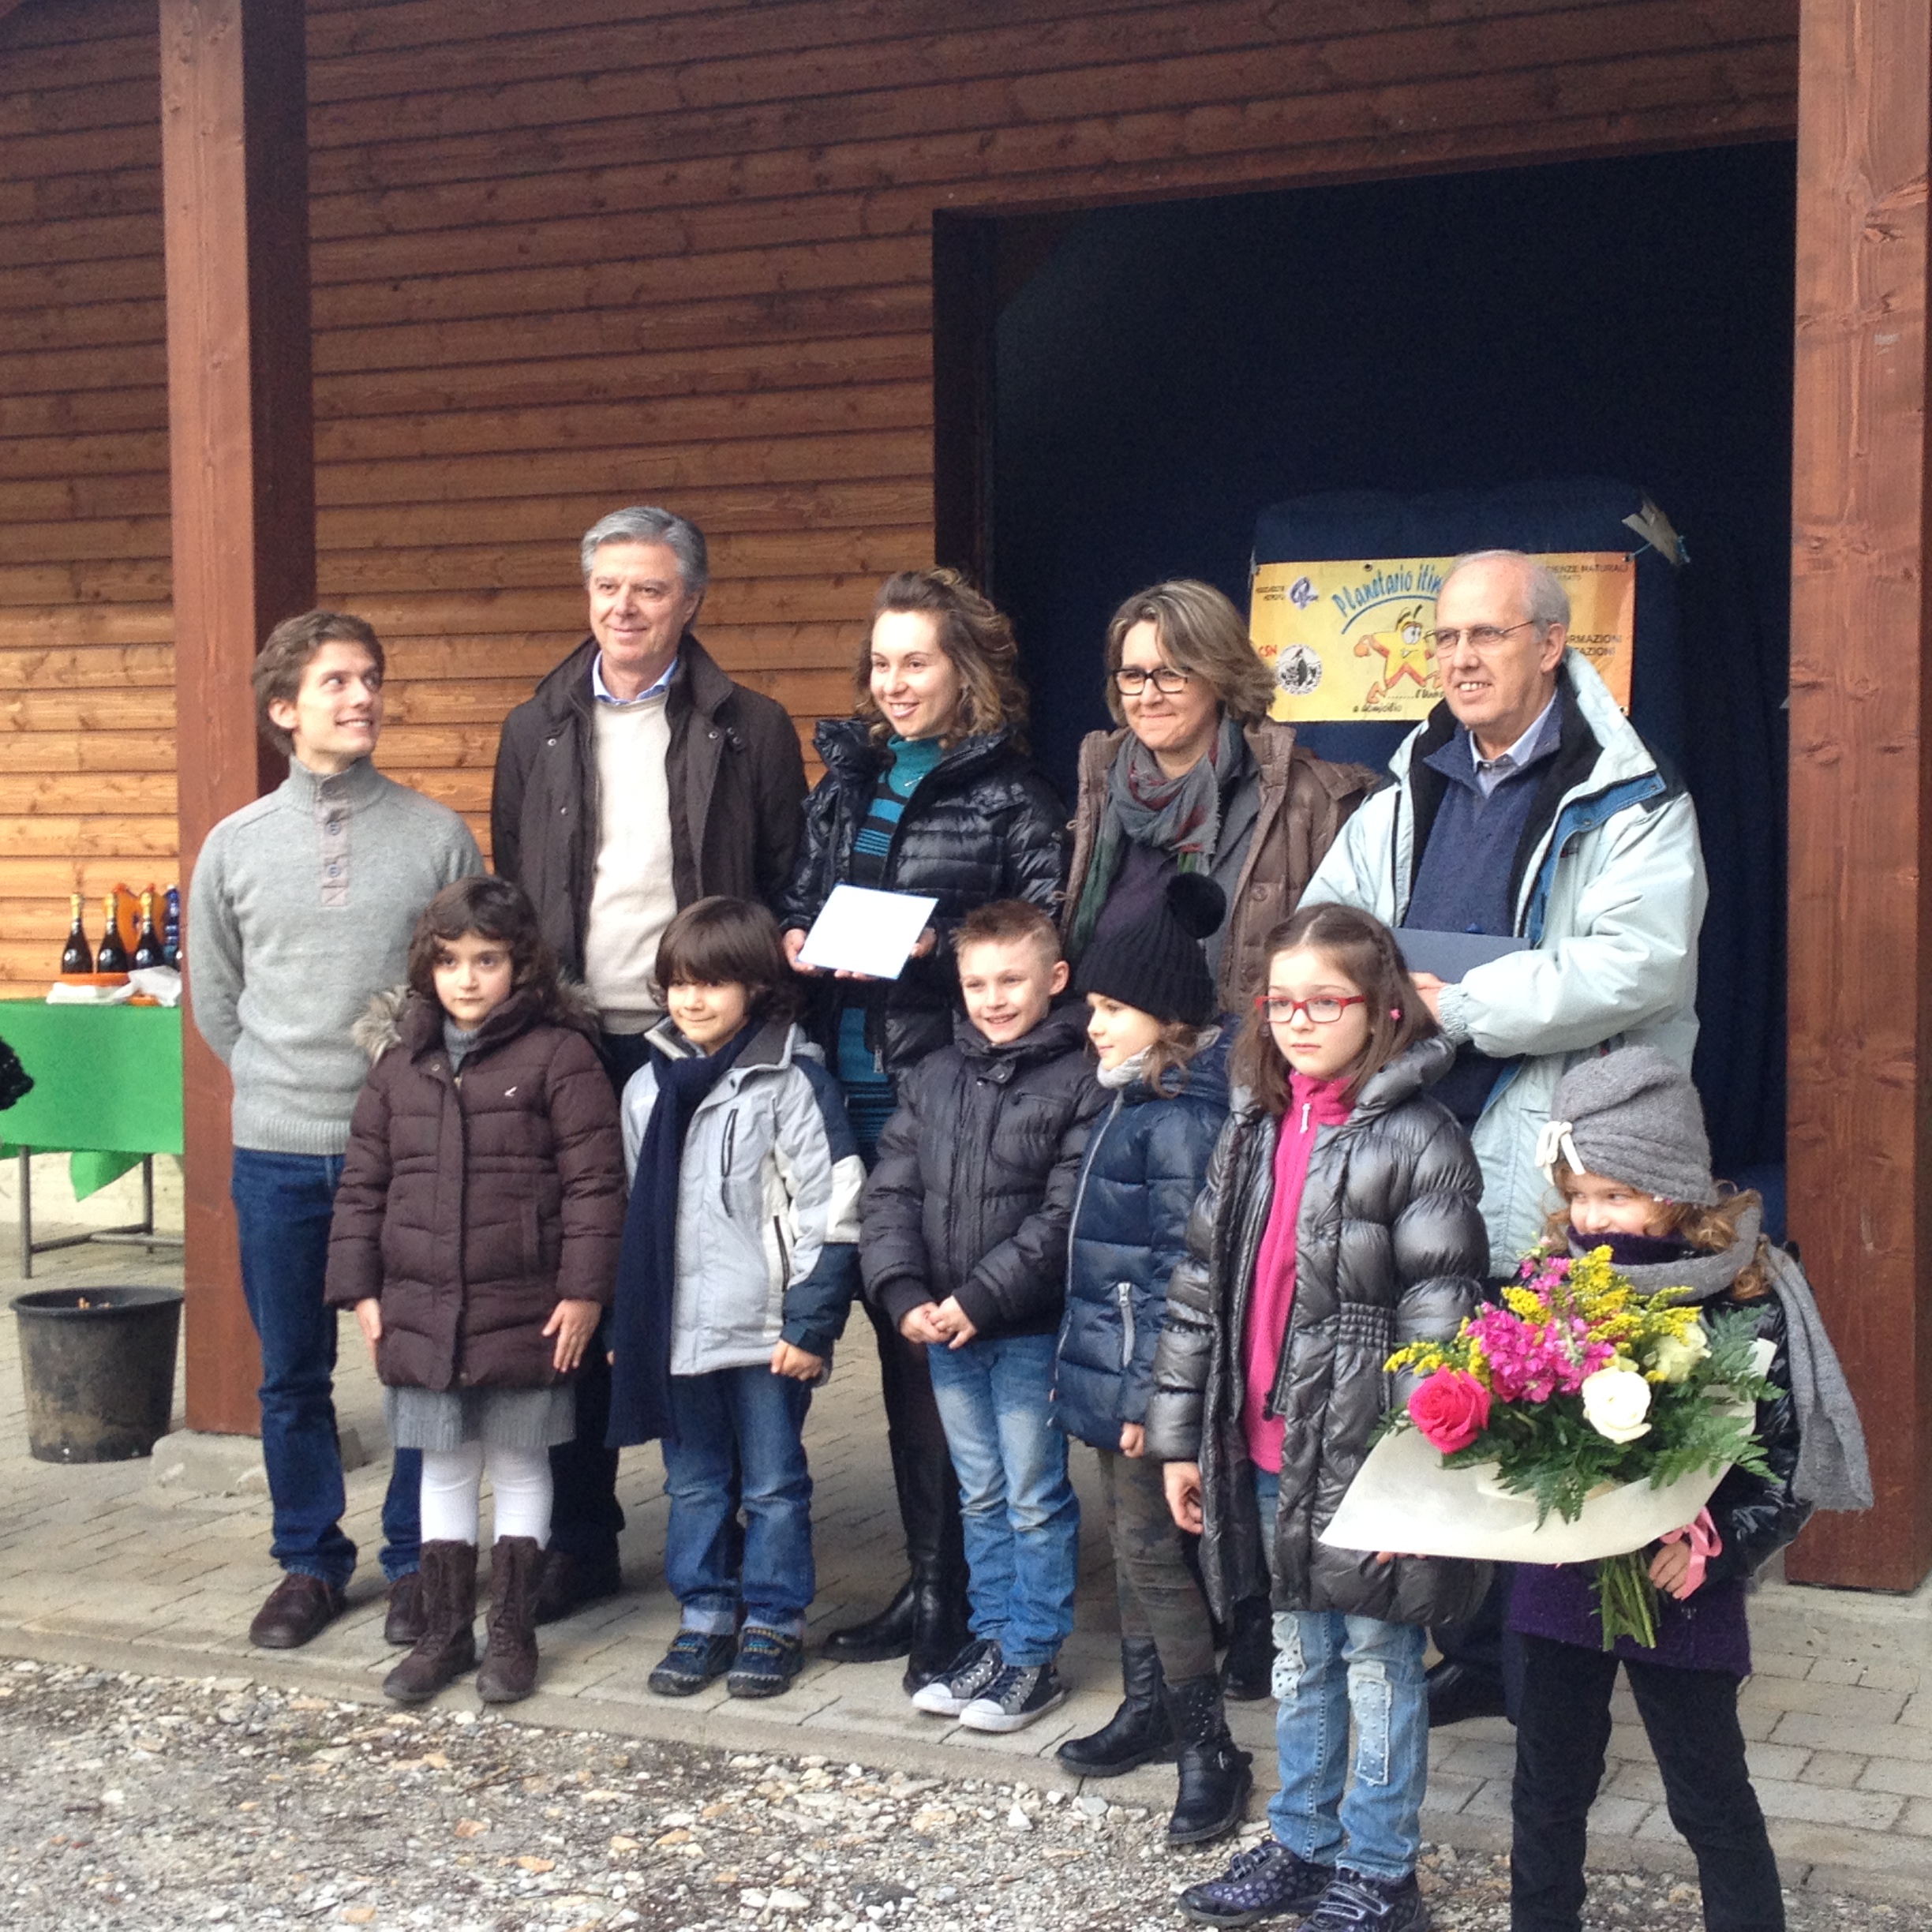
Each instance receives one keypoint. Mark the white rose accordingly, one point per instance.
(1615, 1402)
(1674, 1357)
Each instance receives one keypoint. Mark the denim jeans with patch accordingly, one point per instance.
(1017, 1508)
(1329, 1667)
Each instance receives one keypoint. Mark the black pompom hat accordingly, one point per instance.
(1158, 964)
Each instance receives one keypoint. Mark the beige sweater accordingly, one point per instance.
(632, 900)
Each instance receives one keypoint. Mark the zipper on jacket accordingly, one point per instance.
(784, 1253)
(1092, 1154)
(724, 1160)
(1123, 1293)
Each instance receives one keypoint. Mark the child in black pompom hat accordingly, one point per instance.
(1152, 1003)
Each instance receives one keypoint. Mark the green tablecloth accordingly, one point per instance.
(108, 1085)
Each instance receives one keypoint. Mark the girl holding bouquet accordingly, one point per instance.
(1625, 1147)
(1339, 1222)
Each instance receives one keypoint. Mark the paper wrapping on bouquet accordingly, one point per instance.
(1350, 641)
(1403, 1500)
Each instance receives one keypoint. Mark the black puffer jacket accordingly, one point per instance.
(983, 824)
(1390, 1249)
(972, 1193)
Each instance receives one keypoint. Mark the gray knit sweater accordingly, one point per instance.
(301, 907)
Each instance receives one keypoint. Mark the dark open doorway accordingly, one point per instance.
(1120, 391)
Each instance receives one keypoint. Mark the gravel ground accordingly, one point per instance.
(154, 1803)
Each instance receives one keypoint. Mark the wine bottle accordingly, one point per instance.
(112, 957)
(146, 944)
(171, 928)
(79, 957)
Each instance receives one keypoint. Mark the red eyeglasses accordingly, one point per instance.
(1325, 1009)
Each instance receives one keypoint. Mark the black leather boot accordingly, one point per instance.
(939, 1626)
(1138, 1732)
(1215, 1777)
(1247, 1670)
(889, 1634)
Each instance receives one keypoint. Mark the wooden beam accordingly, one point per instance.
(1861, 803)
(235, 191)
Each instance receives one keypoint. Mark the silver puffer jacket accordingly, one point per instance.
(1390, 1249)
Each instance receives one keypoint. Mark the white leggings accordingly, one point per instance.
(451, 1479)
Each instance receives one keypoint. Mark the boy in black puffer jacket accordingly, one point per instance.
(964, 1249)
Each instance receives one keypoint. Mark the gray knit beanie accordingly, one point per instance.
(1632, 1116)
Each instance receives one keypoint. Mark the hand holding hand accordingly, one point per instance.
(795, 1362)
(918, 1325)
(956, 1324)
(1182, 1482)
(573, 1323)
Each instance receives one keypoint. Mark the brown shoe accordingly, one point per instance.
(299, 1607)
(404, 1624)
(509, 1671)
(447, 1647)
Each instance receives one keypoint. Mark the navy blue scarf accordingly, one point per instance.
(641, 1313)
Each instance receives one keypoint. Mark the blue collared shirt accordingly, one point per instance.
(604, 695)
(1490, 772)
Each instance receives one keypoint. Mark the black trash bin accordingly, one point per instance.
(99, 1367)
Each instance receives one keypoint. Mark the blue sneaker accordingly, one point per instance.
(1357, 1903)
(695, 1659)
(1267, 1881)
(964, 1678)
(767, 1660)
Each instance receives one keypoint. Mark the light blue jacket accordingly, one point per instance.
(1611, 901)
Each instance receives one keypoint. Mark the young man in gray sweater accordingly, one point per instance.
(301, 908)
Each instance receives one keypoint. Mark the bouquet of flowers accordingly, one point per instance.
(1577, 1384)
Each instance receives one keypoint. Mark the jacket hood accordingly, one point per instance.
(1407, 1075)
(398, 1017)
(849, 748)
(1063, 1031)
(1204, 1078)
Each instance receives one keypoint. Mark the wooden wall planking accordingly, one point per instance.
(571, 254)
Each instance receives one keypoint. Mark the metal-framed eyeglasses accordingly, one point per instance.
(1324, 1010)
(1482, 638)
(1130, 680)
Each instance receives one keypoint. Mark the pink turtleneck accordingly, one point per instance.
(1313, 1104)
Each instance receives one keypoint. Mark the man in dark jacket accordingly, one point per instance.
(965, 1248)
(637, 779)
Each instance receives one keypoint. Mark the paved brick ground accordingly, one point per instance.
(107, 1565)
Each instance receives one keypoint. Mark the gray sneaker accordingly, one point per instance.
(963, 1680)
(1019, 1693)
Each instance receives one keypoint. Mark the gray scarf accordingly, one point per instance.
(1832, 1470)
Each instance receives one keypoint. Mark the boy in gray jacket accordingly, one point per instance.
(736, 1273)
(300, 908)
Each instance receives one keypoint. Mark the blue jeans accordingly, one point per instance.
(740, 1443)
(1018, 1509)
(283, 1203)
(1327, 1666)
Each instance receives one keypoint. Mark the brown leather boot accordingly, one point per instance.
(509, 1671)
(447, 1646)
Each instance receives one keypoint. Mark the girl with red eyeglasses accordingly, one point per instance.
(1340, 1220)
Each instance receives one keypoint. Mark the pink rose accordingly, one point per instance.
(1451, 1408)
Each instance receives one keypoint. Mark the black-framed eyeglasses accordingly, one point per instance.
(1324, 1010)
(1481, 636)
(1130, 680)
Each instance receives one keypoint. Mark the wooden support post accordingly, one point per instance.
(235, 185)
(1861, 803)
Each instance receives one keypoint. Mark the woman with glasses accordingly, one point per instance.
(1201, 779)
(928, 789)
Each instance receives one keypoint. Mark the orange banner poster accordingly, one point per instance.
(1351, 640)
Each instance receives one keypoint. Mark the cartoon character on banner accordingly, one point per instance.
(1405, 652)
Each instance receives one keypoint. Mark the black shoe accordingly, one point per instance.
(1266, 1882)
(1216, 1775)
(569, 1583)
(1460, 1691)
(695, 1659)
(1247, 1670)
(889, 1634)
(1138, 1732)
(767, 1661)
(1357, 1903)
(940, 1629)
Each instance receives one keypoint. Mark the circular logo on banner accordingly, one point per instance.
(1298, 671)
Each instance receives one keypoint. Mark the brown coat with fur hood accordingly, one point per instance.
(472, 1203)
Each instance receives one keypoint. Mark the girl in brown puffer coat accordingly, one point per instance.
(476, 1235)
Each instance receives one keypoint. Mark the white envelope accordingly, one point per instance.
(863, 931)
